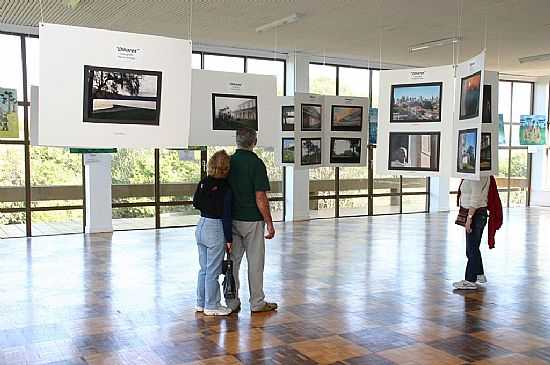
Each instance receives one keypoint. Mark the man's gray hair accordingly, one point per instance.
(246, 138)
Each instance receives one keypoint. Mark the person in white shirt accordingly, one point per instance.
(473, 196)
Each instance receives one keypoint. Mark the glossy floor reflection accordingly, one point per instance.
(351, 291)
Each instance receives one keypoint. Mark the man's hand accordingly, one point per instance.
(270, 231)
(228, 245)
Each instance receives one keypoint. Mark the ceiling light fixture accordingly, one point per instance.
(436, 43)
(537, 58)
(278, 23)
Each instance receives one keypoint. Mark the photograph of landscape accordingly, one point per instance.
(345, 150)
(414, 151)
(287, 116)
(121, 96)
(9, 120)
(311, 117)
(231, 112)
(469, 96)
(467, 150)
(346, 118)
(311, 151)
(415, 103)
(485, 153)
(288, 150)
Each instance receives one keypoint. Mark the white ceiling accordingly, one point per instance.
(340, 28)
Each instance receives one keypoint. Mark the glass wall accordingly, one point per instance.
(41, 188)
(346, 191)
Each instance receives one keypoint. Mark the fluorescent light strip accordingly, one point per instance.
(436, 43)
(537, 58)
(278, 23)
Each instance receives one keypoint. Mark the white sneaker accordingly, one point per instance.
(199, 309)
(481, 279)
(220, 311)
(464, 285)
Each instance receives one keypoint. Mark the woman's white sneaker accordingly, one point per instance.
(220, 311)
(481, 279)
(199, 309)
(464, 285)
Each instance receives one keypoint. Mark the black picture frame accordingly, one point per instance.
(355, 159)
(413, 120)
(283, 148)
(313, 162)
(232, 125)
(334, 127)
(485, 164)
(392, 148)
(470, 170)
(287, 127)
(88, 114)
(486, 115)
(463, 114)
(302, 110)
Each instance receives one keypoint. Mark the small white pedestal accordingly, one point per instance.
(99, 214)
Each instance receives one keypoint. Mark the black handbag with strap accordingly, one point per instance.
(229, 285)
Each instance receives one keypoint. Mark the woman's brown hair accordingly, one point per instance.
(218, 165)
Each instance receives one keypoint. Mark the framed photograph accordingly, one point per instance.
(345, 150)
(9, 120)
(373, 125)
(346, 118)
(532, 130)
(231, 112)
(311, 151)
(486, 116)
(121, 96)
(469, 96)
(485, 153)
(311, 117)
(416, 103)
(288, 150)
(287, 118)
(467, 150)
(414, 151)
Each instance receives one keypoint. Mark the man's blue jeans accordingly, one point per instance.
(211, 245)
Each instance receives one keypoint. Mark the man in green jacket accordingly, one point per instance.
(251, 216)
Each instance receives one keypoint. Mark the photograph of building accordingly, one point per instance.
(288, 150)
(345, 150)
(469, 96)
(467, 150)
(414, 151)
(311, 117)
(287, 116)
(416, 103)
(234, 111)
(485, 153)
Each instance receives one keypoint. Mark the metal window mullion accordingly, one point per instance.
(28, 214)
(157, 188)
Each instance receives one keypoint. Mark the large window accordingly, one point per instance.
(515, 99)
(41, 188)
(352, 191)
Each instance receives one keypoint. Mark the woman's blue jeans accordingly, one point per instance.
(473, 240)
(211, 245)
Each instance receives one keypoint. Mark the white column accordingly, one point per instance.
(539, 194)
(297, 180)
(439, 194)
(99, 214)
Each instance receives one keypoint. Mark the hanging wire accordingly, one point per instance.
(41, 12)
(190, 31)
(275, 44)
(459, 29)
(379, 35)
(485, 37)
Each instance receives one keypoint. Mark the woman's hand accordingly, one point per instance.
(468, 225)
(228, 245)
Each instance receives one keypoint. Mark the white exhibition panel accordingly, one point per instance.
(207, 83)
(65, 50)
(464, 71)
(363, 134)
(301, 100)
(439, 74)
(284, 101)
(491, 78)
